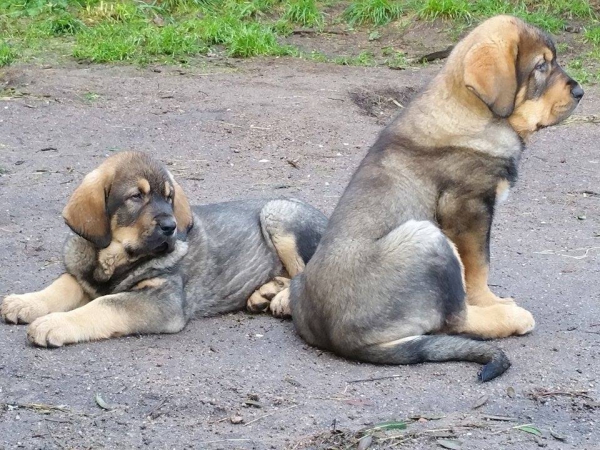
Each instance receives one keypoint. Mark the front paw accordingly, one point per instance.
(54, 330)
(22, 309)
(488, 298)
(506, 301)
(523, 321)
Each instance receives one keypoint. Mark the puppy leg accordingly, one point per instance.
(64, 294)
(260, 299)
(473, 248)
(496, 321)
(294, 230)
(145, 311)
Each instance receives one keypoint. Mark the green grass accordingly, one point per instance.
(316, 56)
(305, 13)
(91, 96)
(176, 31)
(578, 71)
(395, 59)
(592, 35)
(108, 42)
(445, 9)
(364, 59)
(7, 54)
(254, 39)
(375, 12)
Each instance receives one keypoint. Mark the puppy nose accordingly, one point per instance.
(577, 91)
(167, 225)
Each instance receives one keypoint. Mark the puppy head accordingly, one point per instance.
(133, 200)
(511, 67)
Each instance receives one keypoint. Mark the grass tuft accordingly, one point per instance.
(305, 13)
(7, 54)
(592, 35)
(363, 59)
(61, 25)
(252, 40)
(444, 9)
(108, 42)
(376, 12)
(395, 59)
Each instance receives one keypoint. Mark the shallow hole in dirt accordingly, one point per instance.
(382, 103)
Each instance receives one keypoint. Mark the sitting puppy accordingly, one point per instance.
(143, 261)
(405, 256)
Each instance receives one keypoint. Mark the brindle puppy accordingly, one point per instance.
(143, 261)
(405, 256)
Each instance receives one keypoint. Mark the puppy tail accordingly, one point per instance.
(438, 348)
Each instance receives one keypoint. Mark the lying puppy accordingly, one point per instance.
(142, 261)
(405, 256)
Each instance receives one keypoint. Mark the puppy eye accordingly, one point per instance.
(541, 67)
(136, 196)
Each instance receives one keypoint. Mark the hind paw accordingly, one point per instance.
(260, 300)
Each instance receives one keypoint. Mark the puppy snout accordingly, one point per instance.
(167, 225)
(577, 91)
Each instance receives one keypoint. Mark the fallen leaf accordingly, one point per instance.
(365, 442)
(392, 425)
(101, 403)
(499, 418)
(253, 403)
(428, 416)
(529, 429)
(480, 402)
(510, 391)
(557, 436)
(447, 443)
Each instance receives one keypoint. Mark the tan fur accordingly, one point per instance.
(476, 269)
(502, 190)
(495, 84)
(167, 189)
(545, 111)
(115, 255)
(288, 253)
(64, 294)
(280, 305)
(182, 209)
(496, 321)
(462, 266)
(144, 186)
(85, 211)
(95, 321)
(259, 301)
(150, 283)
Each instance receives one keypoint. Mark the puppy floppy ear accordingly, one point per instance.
(182, 210)
(490, 72)
(86, 213)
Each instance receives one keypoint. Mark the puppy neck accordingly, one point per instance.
(445, 115)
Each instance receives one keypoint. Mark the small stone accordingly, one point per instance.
(236, 420)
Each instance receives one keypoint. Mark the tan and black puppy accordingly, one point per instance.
(143, 261)
(404, 259)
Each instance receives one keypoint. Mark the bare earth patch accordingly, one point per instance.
(274, 127)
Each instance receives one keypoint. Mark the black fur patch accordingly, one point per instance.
(307, 240)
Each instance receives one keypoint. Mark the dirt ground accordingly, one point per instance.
(269, 128)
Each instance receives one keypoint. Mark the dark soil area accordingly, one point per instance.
(289, 127)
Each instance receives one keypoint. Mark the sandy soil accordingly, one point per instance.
(268, 128)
